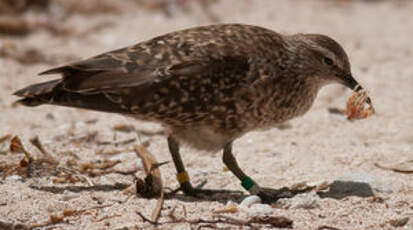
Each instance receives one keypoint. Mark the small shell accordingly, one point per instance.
(355, 106)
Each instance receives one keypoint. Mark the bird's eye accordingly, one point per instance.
(328, 61)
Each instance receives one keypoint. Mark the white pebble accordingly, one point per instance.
(250, 200)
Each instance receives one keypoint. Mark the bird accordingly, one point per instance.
(206, 85)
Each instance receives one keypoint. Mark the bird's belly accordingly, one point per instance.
(201, 137)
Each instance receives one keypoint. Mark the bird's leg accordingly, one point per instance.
(268, 195)
(182, 175)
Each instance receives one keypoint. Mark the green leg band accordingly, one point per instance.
(251, 186)
(247, 183)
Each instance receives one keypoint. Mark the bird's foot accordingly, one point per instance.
(198, 192)
(269, 195)
(191, 191)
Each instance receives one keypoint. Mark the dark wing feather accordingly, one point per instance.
(102, 72)
(188, 53)
(94, 75)
(184, 53)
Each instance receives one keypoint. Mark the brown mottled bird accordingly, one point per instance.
(206, 85)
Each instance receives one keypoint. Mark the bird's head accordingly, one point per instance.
(327, 60)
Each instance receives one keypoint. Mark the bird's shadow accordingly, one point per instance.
(342, 189)
(338, 190)
(220, 197)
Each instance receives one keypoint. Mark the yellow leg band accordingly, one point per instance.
(182, 177)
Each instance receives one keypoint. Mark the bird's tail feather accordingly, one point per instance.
(53, 92)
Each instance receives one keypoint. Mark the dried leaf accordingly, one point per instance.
(5, 138)
(63, 178)
(402, 167)
(399, 222)
(16, 145)
(56, 219)
(153, 179)
(99, 168)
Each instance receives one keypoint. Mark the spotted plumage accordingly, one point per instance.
(207, 85)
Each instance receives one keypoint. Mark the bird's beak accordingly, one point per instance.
(351, 83)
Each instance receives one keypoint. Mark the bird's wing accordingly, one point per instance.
(107, 71)
(125, 68)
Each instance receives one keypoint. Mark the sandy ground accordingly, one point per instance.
(317, 147)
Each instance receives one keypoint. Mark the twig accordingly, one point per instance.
(402, 167)
(124, 142)
(36, 142)
(158, 208)
(325, 227)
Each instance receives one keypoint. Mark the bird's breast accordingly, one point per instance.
(280, 105)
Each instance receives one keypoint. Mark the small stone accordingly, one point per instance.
(399, 222)
(250, 200)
